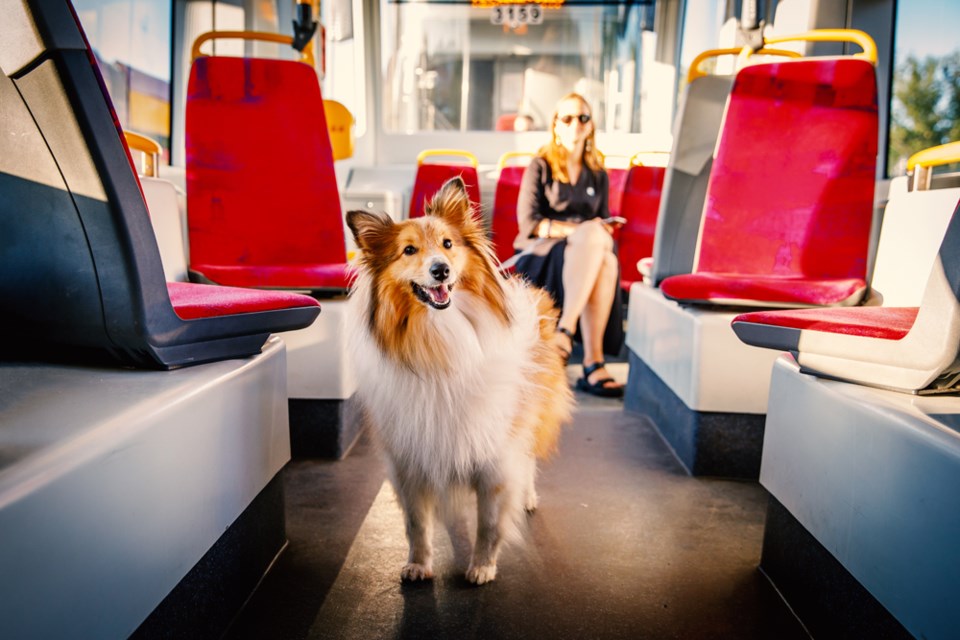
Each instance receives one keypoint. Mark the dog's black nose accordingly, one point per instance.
(440, 271)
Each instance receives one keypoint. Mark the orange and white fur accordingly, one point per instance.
(458, 377)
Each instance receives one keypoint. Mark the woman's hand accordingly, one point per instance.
(614, 222)
(555, 228)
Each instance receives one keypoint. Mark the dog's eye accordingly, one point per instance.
(409, 250)
(447, 243)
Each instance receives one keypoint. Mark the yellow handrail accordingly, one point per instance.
(695, 71)
(447, 152)
(340, 127)
(306, 56)
(635, 158)
(150, 149)
(921, 164)
(511, 155)
(855, 36)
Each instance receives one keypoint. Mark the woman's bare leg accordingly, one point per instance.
(596, 314)
(582, 262)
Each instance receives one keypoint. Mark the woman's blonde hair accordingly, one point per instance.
(556, 154)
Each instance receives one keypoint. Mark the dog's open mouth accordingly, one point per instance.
(437, 297)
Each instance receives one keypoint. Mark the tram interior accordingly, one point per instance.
(181, 449)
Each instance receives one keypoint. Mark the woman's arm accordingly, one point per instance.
(530, 203)
(548, 228)
(603, 187)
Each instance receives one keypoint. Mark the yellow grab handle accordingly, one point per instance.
(512, 155)
(695, 71)
(935, 156)
(855, 36)
(426, 153)
(635, 158)
(921, 164)
(150, 149)
(340, 127)
(306, 56)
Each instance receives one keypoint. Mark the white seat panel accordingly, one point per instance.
(168, 222)
(318, 365)
(914, 224)
(872, 475)
(696, 353)
(114, 483)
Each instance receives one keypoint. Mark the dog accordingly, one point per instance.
(459, 377)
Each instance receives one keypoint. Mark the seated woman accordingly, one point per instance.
(567, 244)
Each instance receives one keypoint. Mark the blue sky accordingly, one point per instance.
(927, 27)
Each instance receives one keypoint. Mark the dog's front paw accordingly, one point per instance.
(532, 502)
(482, 574)
(414, 572)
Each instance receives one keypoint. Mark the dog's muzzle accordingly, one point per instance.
(437, 297)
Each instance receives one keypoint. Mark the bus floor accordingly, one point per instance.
(625, 544)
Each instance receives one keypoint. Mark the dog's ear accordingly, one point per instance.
(451, 202)
(368, 227)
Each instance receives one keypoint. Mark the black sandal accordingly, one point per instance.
(564, 352)
(598, 388)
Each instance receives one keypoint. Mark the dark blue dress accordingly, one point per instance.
(543, 197)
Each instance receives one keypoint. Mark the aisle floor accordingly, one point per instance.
(625, 545)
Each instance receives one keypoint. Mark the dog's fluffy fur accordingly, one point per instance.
(458, 376)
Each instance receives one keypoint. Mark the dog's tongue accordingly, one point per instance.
(439, 293)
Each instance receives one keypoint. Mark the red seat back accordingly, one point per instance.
(67, 175)
(503, 226)
(641, 203)
(791, 189)
(617, 177)
(430, 177)
(261, 188)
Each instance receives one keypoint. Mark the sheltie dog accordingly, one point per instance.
(458, 376)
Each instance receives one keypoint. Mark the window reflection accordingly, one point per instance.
(458, 67)
(131, 42)
(925, 108)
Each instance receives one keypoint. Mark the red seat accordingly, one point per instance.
(505, 122)
(903, 348)
(640, 205)
(431, 176)
(503, 225)
(262, 200)
(617, 178)
(789, 228)
(102, 289)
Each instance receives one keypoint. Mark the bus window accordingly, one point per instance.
(925, 109)
(343, 60)
(131, 41)
(462, 67)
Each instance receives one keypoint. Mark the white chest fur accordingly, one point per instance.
(448, 422)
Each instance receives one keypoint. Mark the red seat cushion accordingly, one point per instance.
(504, 226)
(791, 189)
(887, 323)
(640, 206)
(261, 187)
(735, 289)
(429, 179)
(281, 276)
(192, 301)
(617, 179)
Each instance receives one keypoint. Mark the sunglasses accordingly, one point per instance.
(584, 118)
